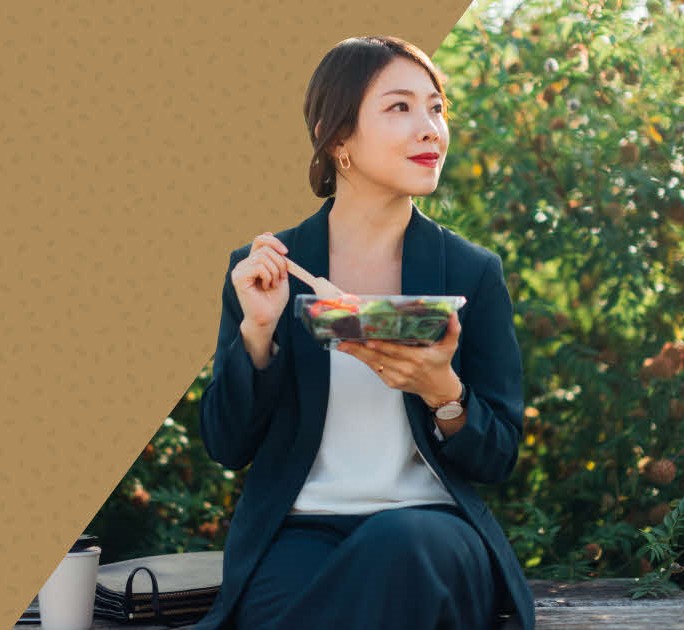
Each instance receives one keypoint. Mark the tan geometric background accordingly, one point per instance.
(139, 144)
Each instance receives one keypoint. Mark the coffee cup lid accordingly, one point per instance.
(85, 541)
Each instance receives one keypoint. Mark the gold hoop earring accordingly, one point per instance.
(344, 156)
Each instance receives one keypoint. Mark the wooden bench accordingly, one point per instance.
(560, 605)
(602, 604)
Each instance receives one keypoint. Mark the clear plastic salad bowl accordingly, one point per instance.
(408, 319)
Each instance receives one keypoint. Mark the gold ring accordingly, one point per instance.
(381, 368)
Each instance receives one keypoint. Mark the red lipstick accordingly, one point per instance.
(426, 159)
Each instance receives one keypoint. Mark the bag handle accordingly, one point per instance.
(129, 605)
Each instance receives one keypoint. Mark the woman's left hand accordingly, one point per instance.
(422, 370)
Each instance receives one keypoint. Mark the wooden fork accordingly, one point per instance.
(322, 287)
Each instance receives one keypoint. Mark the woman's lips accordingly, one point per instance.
(429, 160)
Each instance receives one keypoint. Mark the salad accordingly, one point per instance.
(413, 320)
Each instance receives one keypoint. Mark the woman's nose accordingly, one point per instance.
(428, 130)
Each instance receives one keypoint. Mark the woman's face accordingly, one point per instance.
(401, 138)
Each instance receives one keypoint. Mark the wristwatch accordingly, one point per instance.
(451, 409)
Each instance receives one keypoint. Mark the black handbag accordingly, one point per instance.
(173, 589)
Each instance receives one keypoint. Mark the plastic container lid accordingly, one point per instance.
(84, 543)
(407, 319)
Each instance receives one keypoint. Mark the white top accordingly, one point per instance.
(368, 459)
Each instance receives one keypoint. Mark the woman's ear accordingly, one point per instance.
(336, 147)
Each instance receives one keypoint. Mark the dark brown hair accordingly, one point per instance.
(336, 90)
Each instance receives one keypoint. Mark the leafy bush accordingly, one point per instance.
(567, 160)
(665, 547)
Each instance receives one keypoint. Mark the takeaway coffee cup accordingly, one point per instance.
(67, 599)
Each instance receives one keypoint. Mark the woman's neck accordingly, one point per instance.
(364, 225)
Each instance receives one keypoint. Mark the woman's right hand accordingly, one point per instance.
(261, 283)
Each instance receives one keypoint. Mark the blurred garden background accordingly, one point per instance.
(567, 159)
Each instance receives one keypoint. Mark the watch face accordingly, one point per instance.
(449, 411)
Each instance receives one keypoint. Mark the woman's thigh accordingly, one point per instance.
(298, 552)
(374, 564)
(405, 568)
(436, 535)
(432, 550)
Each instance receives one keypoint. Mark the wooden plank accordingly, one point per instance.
(604, 617)
(611, 617)
(586, 605)
(602, 604)
(603, 592)
(566, 618)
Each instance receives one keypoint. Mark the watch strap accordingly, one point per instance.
(462, 400)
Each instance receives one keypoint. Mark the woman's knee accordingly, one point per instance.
(391, 528)
(415, 536)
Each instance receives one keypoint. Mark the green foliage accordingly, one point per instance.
(566, 158)
(665, 547)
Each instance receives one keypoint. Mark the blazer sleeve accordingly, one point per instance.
(485, 450)
(237, 405)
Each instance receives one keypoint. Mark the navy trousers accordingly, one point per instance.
(414, 568)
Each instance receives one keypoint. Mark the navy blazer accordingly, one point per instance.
(273, 418)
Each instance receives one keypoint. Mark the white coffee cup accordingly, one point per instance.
(67, 599)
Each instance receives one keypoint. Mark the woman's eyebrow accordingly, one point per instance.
(405, 92)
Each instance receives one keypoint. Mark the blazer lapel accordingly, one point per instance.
(422, 263)
(310, 247)
(422, 273)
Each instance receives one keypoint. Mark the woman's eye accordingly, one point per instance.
(404, 107)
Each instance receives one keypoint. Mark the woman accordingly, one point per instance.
(357, 511)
